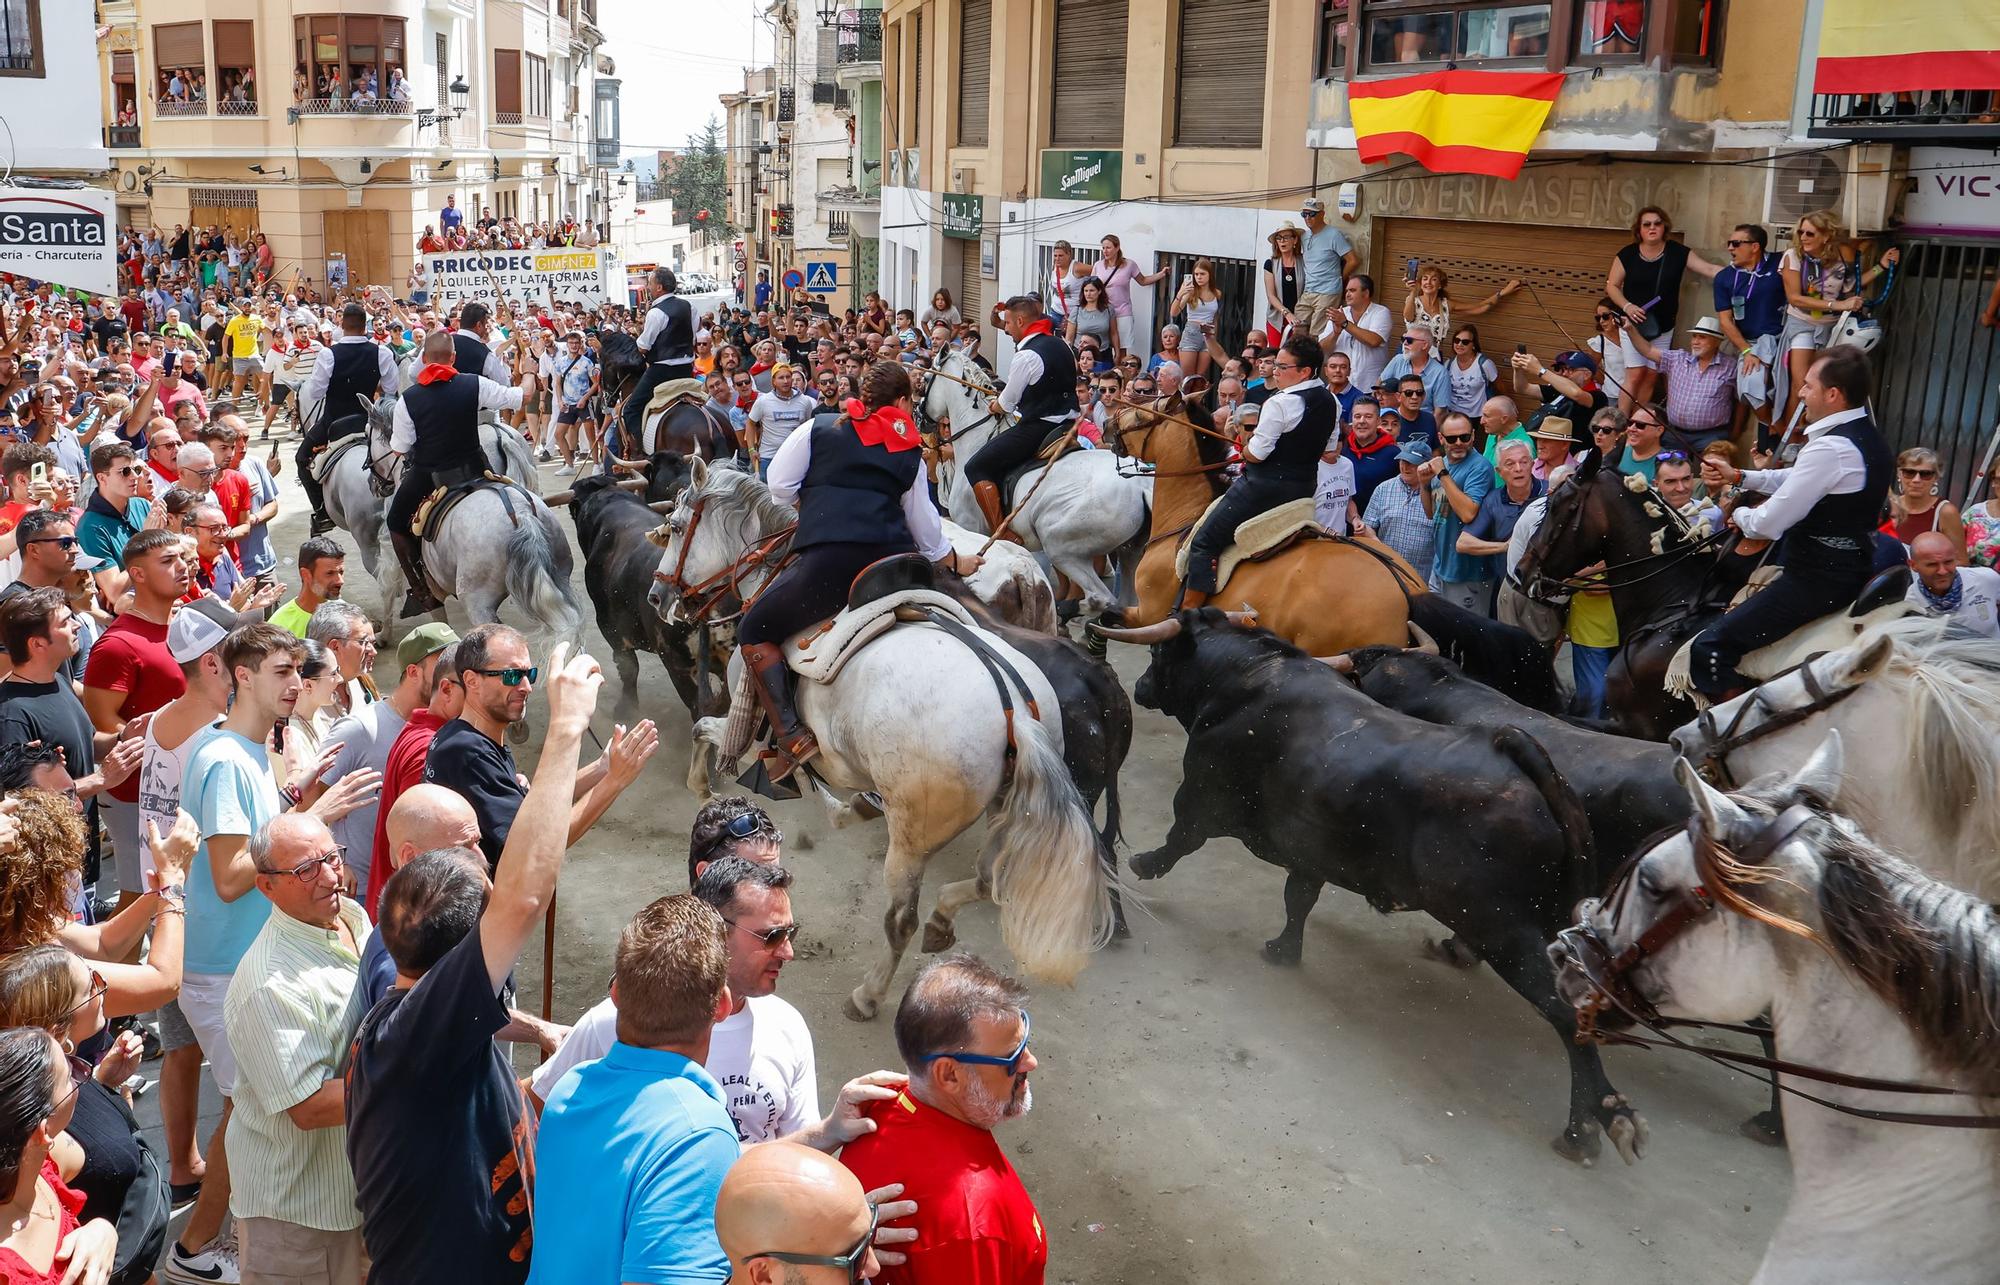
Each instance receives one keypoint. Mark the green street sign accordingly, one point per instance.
(963, 216)
(1082, 176)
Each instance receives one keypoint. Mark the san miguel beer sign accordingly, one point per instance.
(60, 235)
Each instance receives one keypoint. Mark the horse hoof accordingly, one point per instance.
(939, 936)
(1280, 951)
(860, 1007)
(1150, 865)
(1452, 951)
(1766, 1128)
(1627, 1129)
(1579, 1144)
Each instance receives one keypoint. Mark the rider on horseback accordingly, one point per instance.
(667, 342)
(1826, 507)
(436, 426)
(1041, 390)
(859, 483)
(354, 368)
(1280, 461)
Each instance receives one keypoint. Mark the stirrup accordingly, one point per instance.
(321, 523)
(758, 780)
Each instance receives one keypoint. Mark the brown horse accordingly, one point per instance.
(1324, 596)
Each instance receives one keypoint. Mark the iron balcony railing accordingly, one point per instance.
(858, 36)
(1935, 113)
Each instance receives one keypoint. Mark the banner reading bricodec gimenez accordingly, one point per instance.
(569, 275)
(60, 234)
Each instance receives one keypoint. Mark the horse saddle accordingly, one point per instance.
(1264, 535)
(1882, 599)
(884, 592)
(1057, 444)
(323, 459)
(674, 390)
(453, 486)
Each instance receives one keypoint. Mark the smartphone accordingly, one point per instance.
(39, 474)
(1520, 350)
(1410, 270)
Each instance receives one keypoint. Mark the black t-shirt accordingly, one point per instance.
(49, 713)
(1659, 279)
(1577, 413)
(107, 329)
(1288, 277)
(797, 348)
(465, 759)
(438, 1133)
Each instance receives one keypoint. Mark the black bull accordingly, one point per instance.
(1476, 828)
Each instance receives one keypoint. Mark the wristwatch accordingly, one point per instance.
(173, 894)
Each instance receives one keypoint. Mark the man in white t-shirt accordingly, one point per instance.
(1360, 329)
(775, 414)
(1333, 494)
(1969, 597)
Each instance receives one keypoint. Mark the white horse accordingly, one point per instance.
(914, 717)
(1919, 704)
(1086, 509)
(1869, 968)
(488, 550)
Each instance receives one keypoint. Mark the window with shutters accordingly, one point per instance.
(1219, 99)
(125, 97)
(1381, 36)
(235, 44)
(443, 70)
(1088, 96)
(975, 71)
(21, 38)
(350, 61)
(507, 86)
(537, 88)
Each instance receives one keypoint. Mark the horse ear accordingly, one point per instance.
(697, 472)
(1869, 663)
(1717, 809)
(1820, 777)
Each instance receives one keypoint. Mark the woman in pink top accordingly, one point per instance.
(1119, 274)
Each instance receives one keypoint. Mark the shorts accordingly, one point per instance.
(130, 861)
(1807, 335)
(175, 1033)
(202, 996)
(279, 392)
(1636, 360)
(273, 1251)
(574, 414)
(246, 365)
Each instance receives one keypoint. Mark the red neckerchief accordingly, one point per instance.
(1040, 326)
(889, 428)
(436, 373)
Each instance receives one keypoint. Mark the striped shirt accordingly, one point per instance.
(1396, 516)
(285, 1015)
(1698, 399)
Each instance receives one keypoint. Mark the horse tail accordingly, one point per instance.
(538, 577)
(1577, 878)
(1052, 886)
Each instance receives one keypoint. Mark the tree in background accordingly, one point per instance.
(698, 180)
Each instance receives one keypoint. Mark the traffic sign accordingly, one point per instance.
(822, 278)
(793, 278)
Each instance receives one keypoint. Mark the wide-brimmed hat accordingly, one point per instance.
(1707, 326)
(1286, 226)
(1554, 428)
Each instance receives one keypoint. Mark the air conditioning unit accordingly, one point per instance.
(1857, 182)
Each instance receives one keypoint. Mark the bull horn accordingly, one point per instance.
(662, 506)
(559, 499)
(1421, 641)
(1340, 664)
(1143, 635)
(1244, 619)
(632, 484)
(630, 466)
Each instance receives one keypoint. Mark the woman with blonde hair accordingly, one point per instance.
(1915, 506)
(1284, 280)
(299, 740)
(1199, 298)
(1822, 278)
(1428, 303)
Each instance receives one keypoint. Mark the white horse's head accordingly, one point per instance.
(722, 513)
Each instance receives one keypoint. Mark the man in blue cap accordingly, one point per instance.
(1567, 386)
(1400, 513)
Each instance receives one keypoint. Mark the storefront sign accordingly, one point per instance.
(60, 235)
(963, 216)
(1955, 188)
(1558, 197)
(1082, 176)
(570, 275)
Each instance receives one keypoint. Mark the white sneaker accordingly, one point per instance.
(215, 1265)
(567, 470)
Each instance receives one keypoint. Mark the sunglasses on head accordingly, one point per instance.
(1672, 457)
(512, 677)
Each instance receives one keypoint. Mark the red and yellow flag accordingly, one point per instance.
(1867, 47)
(1454, 122)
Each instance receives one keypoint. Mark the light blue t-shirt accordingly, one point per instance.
(1474, 476)
(228, 789)
(632, 1153)
(1325, 251)
(255, 547)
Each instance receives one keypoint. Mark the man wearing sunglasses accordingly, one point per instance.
(115, 512)
(788, 1214)
(963, 1031)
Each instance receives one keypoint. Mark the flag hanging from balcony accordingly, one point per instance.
(1867, 47)
(1453, 122)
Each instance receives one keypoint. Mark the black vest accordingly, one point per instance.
(447, 418)
(1055, 392)
(1295, 459)
(853, 493)
(1839, 526)
(470, 353)
(676, 340)
(357, 372)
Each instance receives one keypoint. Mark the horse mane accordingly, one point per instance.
(1950, 682)
(747, 493)
(1929, 951)
(1213, 451)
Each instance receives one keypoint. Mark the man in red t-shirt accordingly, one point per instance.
(131, 673)
(962, 1029)
(405, 767)
(232, 489)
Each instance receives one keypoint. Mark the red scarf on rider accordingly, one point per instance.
(1040, 326)
(889, 428)
(436, 373)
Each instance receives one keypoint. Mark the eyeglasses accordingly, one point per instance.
(1906, 472)
(1408, 340)
(1010, 1064)
(79, 1071)
(1636, 422)
(97, 990)
(1460, 339)
(512, 677)
(1737, 245)
(1605, 430)
(130, 470)
(1607, 316)
(308, 870)
(1410, 392)
(1454, 438)
(776, 935)
(1287, 365)
(849, 1262)
(67, 542)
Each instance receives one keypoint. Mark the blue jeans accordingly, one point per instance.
(1589, 665)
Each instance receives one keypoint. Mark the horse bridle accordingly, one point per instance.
(1610, 978)
(1669, 558)
(1721, 742)
(698, 601)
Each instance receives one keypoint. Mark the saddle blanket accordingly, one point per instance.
(674, 390)
(323, 461)
(1267, 532)
(818, 654)
(431, 510)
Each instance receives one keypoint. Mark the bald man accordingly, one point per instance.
(1969, 597)
(789, 1215)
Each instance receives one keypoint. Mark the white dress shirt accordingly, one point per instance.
(494, 369)
(787, 473)
(1827, 465)
(656, 321)
(492, 396)
(322, 373)
(1282, 413)
(1023, 369)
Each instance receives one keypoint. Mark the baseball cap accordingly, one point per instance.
(1312, 205)
(1576, 361)
(193, 633)
(81, 561)
(423, 642)
(1414, 452)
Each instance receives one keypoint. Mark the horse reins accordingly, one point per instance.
(699, 600)
(1725, 741)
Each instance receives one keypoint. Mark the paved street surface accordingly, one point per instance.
(1200, 1115)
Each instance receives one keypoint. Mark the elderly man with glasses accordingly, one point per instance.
(1701, 385)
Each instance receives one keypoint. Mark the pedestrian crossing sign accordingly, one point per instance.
(822, 278)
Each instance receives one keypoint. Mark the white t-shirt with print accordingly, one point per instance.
(1978, 601)
(1333, 493)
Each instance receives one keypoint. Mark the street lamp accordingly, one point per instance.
(828, 11)
(460, 93)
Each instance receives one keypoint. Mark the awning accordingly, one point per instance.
(1869, 47)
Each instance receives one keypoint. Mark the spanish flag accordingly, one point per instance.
(1454, 122)
(1867, 47)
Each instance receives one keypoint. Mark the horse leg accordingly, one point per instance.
(903, 879)
(1080, 571)
(1301, 895)
(1768, 1126)
(627, 661)
(708, 734)
(941, 932)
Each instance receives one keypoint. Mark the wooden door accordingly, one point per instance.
(363, 236)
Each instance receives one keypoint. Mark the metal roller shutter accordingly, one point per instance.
(1566, 266)
(971, 293)
(917, 130)
(1936, 372)
(507, 80)
(975, 71)
(235, 44)
(178, 45)
(1088, 108)
(1221, 79)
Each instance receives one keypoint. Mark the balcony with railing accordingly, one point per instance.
(1937, 115)
(827, 94)
(350, 106)
(787, 105)
(181, 106)
(857, 48)
(838, 223)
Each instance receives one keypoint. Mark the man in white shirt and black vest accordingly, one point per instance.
(469, 344)
(435, 432)
(1041, 391)
(354, 367)
(1825, 507)
(667, 343)
(1280, 461)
